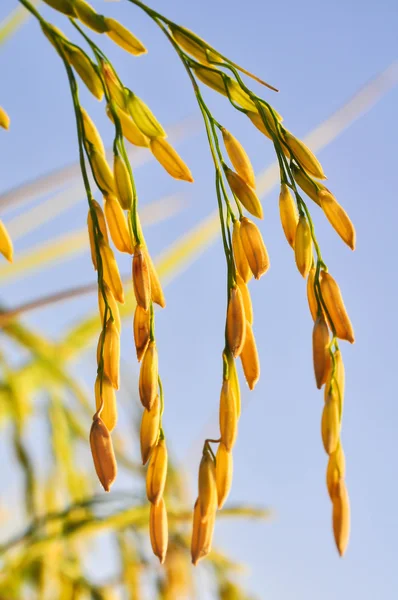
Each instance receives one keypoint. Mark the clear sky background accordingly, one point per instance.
(318, 55)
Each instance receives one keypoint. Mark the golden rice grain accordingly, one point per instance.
(341, 517)
(111, 353)
(85, 68)
(330, 424)
(239, 158)
(236, 322)
(224, 472)
(250, 359)
(103, 455)
(170, 160)
(241, 262)
(247, 302)
(141, 329)
(244, 193)
(141, 278)
(157, 294)
(335, 470)
(149, 431)
(102, 172)
(288, 214)
(124, 38)
(158, 530)
(123, 184)
(304, 156)
(91, 133)
(157, 471)
(221, 83)
(228, 415)
(202, 535)
(303, 247)
(111, 271)
(311, 297)
(148, 381)
(207, 489)
(336, 309)
(99, 217)
(338, 218)
(129, 128)
(320, 351)
(144, 118)
(254, 247)
(108, 399)
(115, 88)
(117, 224)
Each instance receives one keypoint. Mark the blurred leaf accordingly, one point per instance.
(13, 22)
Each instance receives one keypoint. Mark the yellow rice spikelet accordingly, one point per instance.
(247, 302)
(311, 297)
(258, 122)
(91, 133)
(170, 160)
(157, 471)
(141, 278)
(335, 470)
(111, 272)
(116, 90)
(148, 382)
(341, 517)
(108, 398)
(339, 377)
(158, 530)
(4, 119)
(87, 15)
(102, 172)
(117, 224)
(86, 69)
(202, 535)
(304, 156)
(144, 118)
(6, 247)
(63, 6)
(288, 214)
(100, 217)
(113, 307)
(141, 329)
(123, 184)
(195, 48)
(250, 359)
(207, 489)
(335, 306)
(228, 415)
(129, 128)
(338, 218)
(236, 322)
(320, 351)
(234, 381)
(239, 158)
(157, 294)
(124, 38)
(303, 247)
(224, 85)
(103, 454)
(224, 472)
(311, 187)
(149, 431)
(330, 424)
(254, 247)
(241, 262)
(112, 353)
(245, 194)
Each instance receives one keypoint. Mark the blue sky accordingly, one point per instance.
(318, 55)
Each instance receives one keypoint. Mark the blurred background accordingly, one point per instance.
(322, 58)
